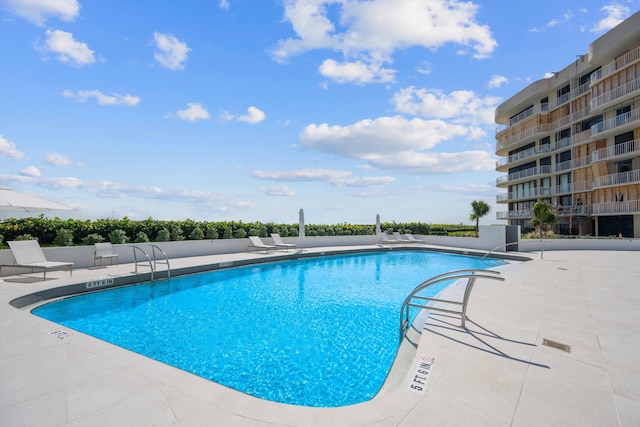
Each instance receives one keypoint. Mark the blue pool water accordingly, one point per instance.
(312, 332)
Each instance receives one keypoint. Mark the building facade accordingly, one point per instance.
(573, 140)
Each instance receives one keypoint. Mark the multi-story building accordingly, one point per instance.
(573, 140)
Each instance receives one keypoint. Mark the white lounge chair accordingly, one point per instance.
(412, 239)
(400, 237)
(28, 254)
(277, 240)
(386, 239)
(104, 251)
(257, 244)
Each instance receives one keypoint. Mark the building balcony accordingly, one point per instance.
(622, 178)
(620, 62)
(618, 150)
(617, 208)
(617, 124)
(615, 96)
(525, 213)
(504, 141)
(524, 174)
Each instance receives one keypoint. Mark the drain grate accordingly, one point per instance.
(556, 344)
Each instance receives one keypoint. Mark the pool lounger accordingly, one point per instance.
(257, 244)
(28, 254)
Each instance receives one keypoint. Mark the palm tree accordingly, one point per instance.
(478, 210)
(542, 214)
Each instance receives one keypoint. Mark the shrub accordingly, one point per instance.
(142, 237)
(211, 231)
(64, 237)
(25, 237)
(118, 237)
(176, 233)
(240, 233)
(163, 235)
(196, 234)
(92, 238)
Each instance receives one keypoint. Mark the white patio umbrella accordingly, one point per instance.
(301, 224)
(378, 230)
(11, 200)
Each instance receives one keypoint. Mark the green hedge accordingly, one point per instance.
(58, 232)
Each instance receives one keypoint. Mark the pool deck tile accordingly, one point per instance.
(498, 372)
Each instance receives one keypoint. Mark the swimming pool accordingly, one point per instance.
(312, 332)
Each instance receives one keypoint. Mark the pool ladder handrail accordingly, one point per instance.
(155, 259)
(515, 243)
(147, 259)
(470, 274)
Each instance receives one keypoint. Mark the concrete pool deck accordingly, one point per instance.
(511, 367)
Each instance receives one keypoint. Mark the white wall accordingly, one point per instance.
(491, 237)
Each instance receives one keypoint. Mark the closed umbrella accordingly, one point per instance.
(301, 224)
(11, 200)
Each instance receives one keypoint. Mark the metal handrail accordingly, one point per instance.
(155, 259)
(470, 274)
(135, 258)
(499, 246)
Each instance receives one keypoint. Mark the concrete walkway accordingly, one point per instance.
(556, 343)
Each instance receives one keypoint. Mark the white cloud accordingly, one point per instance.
(103, 99)
(367, 42)
(356, 72)
(615, 14)
(421, 163)
(367, 181)
(56, 159)
(302, 175)
(171, 53)
(37, 11)
(497, 81)
(108, 189)
(254, 116)
(339, 178)
(194, 112)
(278, 191)
(31, 171)
(8, 148)
(223, 4)
(461, 106)
(383, 136)
(69, 51)
(398, 145)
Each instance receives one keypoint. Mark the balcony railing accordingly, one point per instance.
(612, 95)
(542, 170)
(628, 207)
(613, 66)
(526, 213)
(540, 128)
(616, 150)
(563, 98)
(576, 210)
(614, 122)
(581, 90)
(621, 178)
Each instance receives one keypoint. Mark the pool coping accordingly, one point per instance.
(71, 381)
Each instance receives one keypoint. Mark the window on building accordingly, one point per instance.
(622, 115)
(545, 183)
(544, 104)
(586, 124)
(545, 143)
(624, 166)
(563, 91)
(563, 157)
(564, 183)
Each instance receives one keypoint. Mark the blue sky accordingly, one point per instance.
(252, 109)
